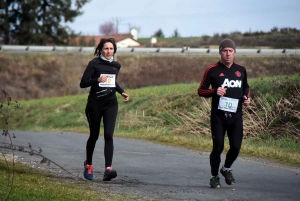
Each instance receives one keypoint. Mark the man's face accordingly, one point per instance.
(227, 55)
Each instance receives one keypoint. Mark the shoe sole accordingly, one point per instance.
(110, 176)
(232, 183)
(88, 178)
(216, 185)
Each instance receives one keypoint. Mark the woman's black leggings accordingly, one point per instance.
(220, 123)
(94, 111)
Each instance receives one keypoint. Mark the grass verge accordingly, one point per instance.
(35, 185)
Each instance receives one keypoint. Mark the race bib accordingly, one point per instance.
(228, 104)
(110, 81)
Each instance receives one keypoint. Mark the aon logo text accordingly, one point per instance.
(232, 83)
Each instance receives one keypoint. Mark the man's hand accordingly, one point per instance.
(221, 91)
(246, 100)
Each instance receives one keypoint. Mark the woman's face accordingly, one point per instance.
(108, 50)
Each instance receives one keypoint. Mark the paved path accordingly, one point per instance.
(166, 173)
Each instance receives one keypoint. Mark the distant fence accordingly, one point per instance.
(186, 51)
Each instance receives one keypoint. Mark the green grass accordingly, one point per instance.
(34, 185)
(277, 86)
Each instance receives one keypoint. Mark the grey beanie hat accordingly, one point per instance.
(226, 43)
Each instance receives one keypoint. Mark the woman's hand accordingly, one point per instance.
(102, 78)
(125, 96)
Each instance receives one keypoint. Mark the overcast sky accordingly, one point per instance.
(189, 17)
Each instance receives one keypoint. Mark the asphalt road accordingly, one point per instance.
(162, 172)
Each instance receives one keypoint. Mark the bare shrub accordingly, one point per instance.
(8, 147)
(6, 107)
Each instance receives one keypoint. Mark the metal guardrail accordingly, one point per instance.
(146, 51)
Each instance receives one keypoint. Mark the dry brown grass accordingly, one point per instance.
(279, 119)
(26, 76)
(31, 76)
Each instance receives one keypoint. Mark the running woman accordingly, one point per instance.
(101, 75)
(229, 91)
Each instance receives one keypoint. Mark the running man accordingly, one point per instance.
(229, 91)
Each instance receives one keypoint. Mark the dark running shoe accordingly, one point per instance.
(109, 174)
(88, 171)
(215, 182)
(229, 179)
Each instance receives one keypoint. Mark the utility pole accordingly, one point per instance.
(117, 25)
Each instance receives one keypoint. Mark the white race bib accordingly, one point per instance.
(110, 81)
(228, 104)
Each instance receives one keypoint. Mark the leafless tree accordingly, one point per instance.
(107, 28)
